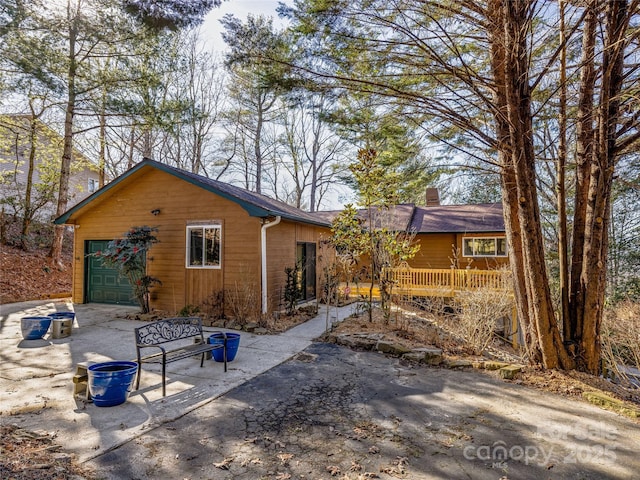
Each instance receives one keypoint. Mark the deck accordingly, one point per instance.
(444, 282)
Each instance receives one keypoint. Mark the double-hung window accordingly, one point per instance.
(93, 185)
(484, 247)
(203, 246)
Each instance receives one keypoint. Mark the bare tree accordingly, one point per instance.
(313, 154)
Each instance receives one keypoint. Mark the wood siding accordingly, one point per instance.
(481, 263)
(437, 251)
(180, 203)
(281, 247)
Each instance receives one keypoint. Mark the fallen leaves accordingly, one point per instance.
(397, 467)
(25, 452)
(27, 275)
(224, 464)
(333, 470)
(285, 458)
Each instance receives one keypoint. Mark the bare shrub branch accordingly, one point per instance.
(620, 338)
(479, 312)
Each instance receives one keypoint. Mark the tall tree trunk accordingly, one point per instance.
(584, 158)
(561, 191)
(132, 146)
(508, 181)
(147, 144)
(520, 160)
(67, 152)
(257, 146)
(102, 161)
(28, 209)
(601, 179)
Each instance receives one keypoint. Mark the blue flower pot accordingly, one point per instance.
(233, 342)
(110, 383)
(34, 328)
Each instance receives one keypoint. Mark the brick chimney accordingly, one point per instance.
(432, 197)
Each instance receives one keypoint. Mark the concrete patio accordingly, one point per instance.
(36, 378)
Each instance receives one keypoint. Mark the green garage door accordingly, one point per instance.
(104, 285)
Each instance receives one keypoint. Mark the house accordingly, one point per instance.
(16, 132)
(458, 236)
(217, 240)
(214, 238)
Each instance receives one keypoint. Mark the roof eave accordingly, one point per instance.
(251, 209)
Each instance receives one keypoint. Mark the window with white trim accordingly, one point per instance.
(203, 246)
(93, 185)
(484, 247)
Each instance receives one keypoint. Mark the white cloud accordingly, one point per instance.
(211, 29)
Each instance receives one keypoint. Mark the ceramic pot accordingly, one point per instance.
(34, 328)
(110, 383)
(233, 342)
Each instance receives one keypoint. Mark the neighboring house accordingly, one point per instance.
(15, 154)
(213, 238)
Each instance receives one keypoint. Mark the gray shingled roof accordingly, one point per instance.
(485, 217)
(438, 218)
(255, 204)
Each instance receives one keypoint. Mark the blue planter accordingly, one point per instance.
(111, 382)
(233, 342)
(34, 328)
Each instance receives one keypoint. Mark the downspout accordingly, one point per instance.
(263, 246)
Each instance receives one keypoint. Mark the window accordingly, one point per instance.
(484, 247)
(93, 185)
(203, 246)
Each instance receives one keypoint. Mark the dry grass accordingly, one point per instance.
(479, 313)
(620, 336)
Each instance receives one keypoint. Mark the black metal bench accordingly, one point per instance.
(157, 334)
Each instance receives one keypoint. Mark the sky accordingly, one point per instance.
(212, 29)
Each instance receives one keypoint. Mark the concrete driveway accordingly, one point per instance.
(36, 388)
(292, 409)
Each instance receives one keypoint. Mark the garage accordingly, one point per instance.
(103, 284)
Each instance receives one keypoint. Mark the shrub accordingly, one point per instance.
(292, 292)
(620, 336)
(479, 311)
(243, 302)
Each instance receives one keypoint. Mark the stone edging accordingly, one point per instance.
(433, 356)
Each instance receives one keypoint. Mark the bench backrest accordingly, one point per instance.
(169, 329)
